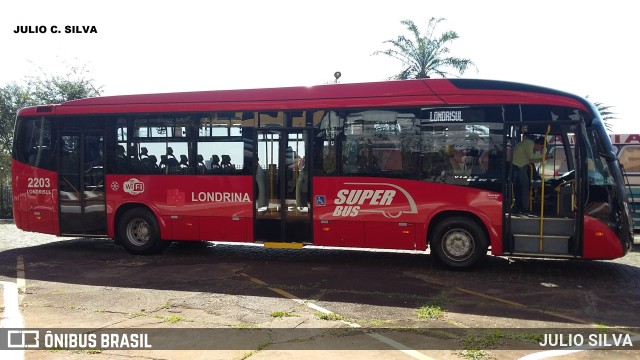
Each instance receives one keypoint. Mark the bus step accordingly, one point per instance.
(551, 226)
(531, 244)
(283, 245)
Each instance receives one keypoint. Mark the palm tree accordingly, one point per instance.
(425, 55)
(606, 114)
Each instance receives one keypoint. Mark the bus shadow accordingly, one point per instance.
(594, 291)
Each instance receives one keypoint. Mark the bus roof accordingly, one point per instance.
(422, 92)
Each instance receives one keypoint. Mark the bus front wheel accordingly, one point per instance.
(139, 233)
(458, 243)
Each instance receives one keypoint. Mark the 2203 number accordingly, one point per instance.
(39, 182)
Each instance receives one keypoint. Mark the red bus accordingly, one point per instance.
(417, 165)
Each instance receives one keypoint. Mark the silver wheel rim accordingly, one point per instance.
(458, 244)
(138, 232)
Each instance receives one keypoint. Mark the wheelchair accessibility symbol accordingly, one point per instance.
(321, 200)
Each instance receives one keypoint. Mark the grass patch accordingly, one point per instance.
(330, 316)
(165, 306)
(434, 309)
(173, 319)
(431, 311)
(281, 314)
(474, 345)
(475, 354)
(485, 340)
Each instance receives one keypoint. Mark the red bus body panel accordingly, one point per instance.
(35, 198)
(599, 242)
(189, 207)
(394, 213)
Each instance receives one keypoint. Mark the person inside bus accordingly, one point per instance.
(290, 157)
(121, 159)
(144, 153)
(184, 164)
(215, 163)
(226, 164)
(145, 160)
(92, 153)
(152, 165)
(135, 166)
(170, 152)
(201, 166)
(172, 163)
(525, 153)
(164, 166)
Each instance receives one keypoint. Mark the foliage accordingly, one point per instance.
(279, 314)
(12, 98)
(433, 310)
(329, 316)
(173, 319)
(606, 114)
(426, 54)
(55, 89)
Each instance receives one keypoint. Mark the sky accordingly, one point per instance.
(141, 46)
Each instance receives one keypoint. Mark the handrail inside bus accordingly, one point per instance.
(544, 159)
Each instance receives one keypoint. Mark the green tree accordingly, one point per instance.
(55, 89)
(606, 114)
(12, 98)
(427, 54)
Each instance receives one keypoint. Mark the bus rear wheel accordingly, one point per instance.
(139, 233)
(458, 243)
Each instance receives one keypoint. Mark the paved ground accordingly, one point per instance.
(267, 303)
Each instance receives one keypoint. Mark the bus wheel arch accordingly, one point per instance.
(458, 240)
(138, 231)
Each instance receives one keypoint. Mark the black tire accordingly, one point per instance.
(139, 233)
(458, 243)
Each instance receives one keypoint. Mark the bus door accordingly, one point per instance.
(550, 221)
(81, 196)
(282, 186)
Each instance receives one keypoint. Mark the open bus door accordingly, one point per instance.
(81, 197)
(282, 187)
(551, 226)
